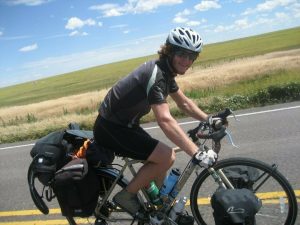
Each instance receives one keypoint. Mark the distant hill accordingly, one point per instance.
(104, 76)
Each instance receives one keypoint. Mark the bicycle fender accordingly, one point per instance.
(37, 199)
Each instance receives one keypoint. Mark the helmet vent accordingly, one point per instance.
(177, 40)
(187, 43)
(188, 34)
(194, 37)
(181, 32)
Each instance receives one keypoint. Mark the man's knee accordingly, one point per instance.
(163, 154)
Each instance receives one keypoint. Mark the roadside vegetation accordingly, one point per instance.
(230, 74)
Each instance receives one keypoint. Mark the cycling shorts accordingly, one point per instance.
(134, 142)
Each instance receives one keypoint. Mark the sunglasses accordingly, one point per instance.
(187, 55)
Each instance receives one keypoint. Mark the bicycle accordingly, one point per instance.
(279, 203)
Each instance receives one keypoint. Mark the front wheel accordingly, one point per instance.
(279, 204)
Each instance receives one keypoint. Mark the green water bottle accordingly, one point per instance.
(153, 193)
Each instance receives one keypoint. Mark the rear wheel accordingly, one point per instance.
(279, 204)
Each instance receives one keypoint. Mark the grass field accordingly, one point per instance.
(104, 76)
(31, 110)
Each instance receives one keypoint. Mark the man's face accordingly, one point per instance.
(183, 60)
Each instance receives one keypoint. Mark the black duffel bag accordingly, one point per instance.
(77, 188)
(235, 206)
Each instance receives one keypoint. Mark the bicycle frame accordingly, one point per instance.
(219, 177)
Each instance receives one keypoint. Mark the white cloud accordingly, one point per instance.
(295, 10)
(221, 28)
(193, 23)
(239, 1)
(77, 33)
(207, 5)
(183, 18)
(1, 33)
(149, 5)
(179, 19)
(119, 26)
(27, 2)
(74, 33)
(90, 22)
(268, 6)
(241, 24)
(29, 48)
(76, 23)
(132, 7)
(281, 15)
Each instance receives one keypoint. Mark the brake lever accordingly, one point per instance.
(233, 115)
(230, 139)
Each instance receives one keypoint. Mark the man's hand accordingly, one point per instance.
(206, 158)
(216, 122)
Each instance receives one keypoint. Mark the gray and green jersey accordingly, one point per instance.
(131, 97)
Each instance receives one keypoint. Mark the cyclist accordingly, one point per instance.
(146, 88)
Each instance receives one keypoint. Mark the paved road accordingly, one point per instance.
(270, 134)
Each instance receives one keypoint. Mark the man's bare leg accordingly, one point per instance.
(158, 163)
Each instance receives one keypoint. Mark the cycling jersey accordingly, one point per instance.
(131, 98)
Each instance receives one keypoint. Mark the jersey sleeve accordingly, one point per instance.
(173, 87)
(156, 94)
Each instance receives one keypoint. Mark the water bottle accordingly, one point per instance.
(177, 208)
(169, 182)
(153, 193)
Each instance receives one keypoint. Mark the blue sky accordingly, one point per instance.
(40, 38)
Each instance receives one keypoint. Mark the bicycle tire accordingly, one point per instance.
(199, 186)
(104, 178)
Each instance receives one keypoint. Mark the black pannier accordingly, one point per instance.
(53, 151)
(55, 167)
(235, 206)
(242, 176)
(49, 155)
(77, 188)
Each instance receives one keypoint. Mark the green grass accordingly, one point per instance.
(249, 86)
(250, 46)
(91, 79)
(104, 76)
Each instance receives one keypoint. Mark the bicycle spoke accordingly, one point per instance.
(278, 201)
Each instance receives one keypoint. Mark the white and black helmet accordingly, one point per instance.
(185, 38)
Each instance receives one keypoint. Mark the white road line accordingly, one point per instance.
(17, 146)
(184, 123)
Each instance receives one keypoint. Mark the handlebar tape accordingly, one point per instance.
(216, 136)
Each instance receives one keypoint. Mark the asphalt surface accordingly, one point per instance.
(270, 134)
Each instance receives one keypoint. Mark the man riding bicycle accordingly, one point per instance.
(146, 88)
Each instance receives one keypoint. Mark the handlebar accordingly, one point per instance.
(214, 129)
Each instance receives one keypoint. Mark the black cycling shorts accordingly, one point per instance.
(134, 143)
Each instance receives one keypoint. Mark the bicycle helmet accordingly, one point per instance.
(185, 38)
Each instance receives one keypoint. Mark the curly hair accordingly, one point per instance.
(165, 51)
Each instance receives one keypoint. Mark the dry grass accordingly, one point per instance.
(55, 107)
(239, 69)
(59, 112)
